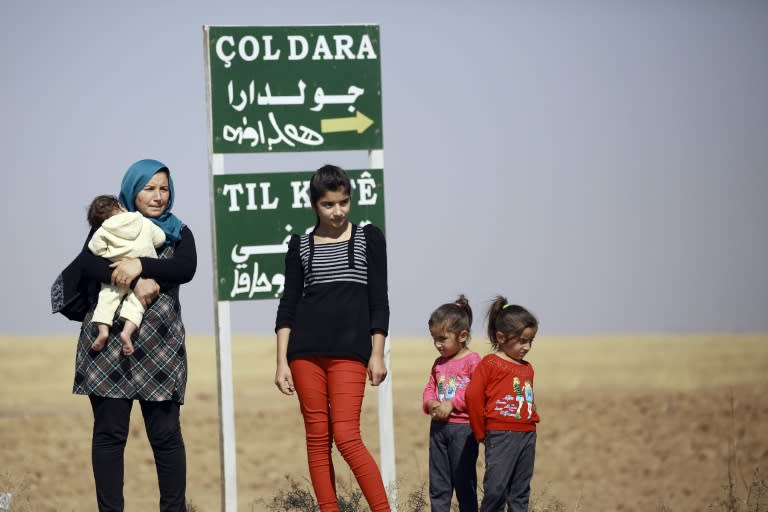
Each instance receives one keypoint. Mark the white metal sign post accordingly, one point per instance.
(227, 444)
(386, 418)
(284, 89)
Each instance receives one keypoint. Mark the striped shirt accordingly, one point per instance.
(329, 263)
(335, 295)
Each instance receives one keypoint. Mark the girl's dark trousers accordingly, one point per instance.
(452, 466)
(509, 459)
(110, 433)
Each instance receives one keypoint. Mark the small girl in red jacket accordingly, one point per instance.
(501, 408)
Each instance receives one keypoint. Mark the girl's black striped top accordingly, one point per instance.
(335, 295)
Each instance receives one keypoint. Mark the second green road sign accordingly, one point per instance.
(256, 214)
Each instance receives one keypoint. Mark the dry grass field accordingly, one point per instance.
(641, 423)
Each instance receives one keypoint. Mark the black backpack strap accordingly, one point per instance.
(351, 247)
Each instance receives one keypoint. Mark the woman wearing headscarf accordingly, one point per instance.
(156, 373)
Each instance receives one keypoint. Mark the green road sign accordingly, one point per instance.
(309, 88)
(255, 215)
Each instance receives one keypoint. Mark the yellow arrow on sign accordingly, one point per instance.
(359, 123)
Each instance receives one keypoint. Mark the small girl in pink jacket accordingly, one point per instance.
(452, 447)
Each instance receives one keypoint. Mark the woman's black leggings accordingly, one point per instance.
(110, 432)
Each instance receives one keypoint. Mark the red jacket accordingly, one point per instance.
(500, 397)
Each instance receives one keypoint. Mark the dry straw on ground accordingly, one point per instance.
(628, 423)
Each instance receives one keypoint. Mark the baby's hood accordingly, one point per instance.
(125, 225)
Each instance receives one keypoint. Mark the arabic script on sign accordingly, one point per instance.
(253, 282)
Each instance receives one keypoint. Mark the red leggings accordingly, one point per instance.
(330, 392)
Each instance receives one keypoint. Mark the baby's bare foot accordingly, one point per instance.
(99, 342)
(125, 339)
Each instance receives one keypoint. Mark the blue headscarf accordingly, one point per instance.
(136, 177)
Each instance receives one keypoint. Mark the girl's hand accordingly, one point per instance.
(442, 411)
(125, 271)
(146, 290)
(284, 379)
(377, 370)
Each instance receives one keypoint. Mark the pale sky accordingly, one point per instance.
(603, 163)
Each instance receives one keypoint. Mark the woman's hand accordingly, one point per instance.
(146, 290)
(125, 271)
(377, 370)
(284, 379)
